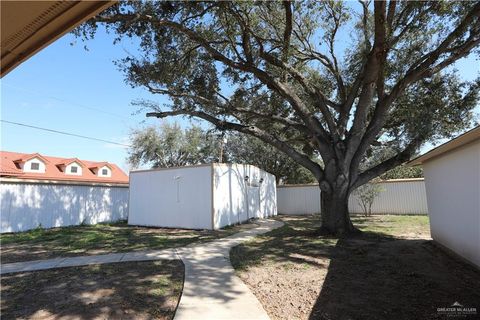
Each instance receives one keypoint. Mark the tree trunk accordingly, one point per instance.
(335, 215)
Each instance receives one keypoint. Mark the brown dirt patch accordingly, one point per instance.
(296, 275)
(128, 290)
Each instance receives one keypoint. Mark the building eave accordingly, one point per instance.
(466, 138)
(29, 26)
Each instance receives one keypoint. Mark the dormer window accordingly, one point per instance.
(34, 165)
(101, 170)
(73, 168)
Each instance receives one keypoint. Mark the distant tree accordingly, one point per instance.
(170, 146)
(337, 78)
(366, 195)
(378, 154)
(246, 149)
(403, 172)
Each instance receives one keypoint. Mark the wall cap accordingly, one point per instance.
(62, 182)
(381, 181)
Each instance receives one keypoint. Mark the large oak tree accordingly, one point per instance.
(313, 79)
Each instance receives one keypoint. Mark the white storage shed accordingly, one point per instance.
(452, 181)
(208, 196)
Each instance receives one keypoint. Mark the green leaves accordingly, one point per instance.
(434, 108)
(298, 75)
(170, 146)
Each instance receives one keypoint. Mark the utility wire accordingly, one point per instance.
(72, 104)
(64, 133)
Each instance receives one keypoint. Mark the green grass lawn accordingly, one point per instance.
(378, 274)
(405, 226)
(100, 239)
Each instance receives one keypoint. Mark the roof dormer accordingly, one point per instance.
(32, 163)
(72, 167)
(103, 169)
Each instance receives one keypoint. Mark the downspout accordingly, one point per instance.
(246, 196)
(212, 190)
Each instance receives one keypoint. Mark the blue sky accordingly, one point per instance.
(67, 88)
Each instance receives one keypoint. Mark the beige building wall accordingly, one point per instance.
(453, 194)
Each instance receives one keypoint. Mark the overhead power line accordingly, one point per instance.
(68, 102)
(64, 133)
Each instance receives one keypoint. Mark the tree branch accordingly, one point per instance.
(287, 33)
(374, 67)
(250, 130)
(414, 74)
(383, 167)
(205, 101)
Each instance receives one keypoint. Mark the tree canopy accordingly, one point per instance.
(168, 145)
(314, 79)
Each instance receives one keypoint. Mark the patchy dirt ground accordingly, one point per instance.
(392, 271)
(100, 239)
(127, 290)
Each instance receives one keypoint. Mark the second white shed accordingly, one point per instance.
(208, 196)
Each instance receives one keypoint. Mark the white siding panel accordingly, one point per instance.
(397, 197)
(174, 197)
(298, 200)
(26, 206)
(402, 197)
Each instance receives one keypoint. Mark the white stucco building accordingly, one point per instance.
(208, 196)
(452, 180)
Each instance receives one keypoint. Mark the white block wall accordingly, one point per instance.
(27, 205)
(407, 196)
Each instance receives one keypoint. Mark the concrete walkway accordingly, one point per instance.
(211, 288)
(168, 254)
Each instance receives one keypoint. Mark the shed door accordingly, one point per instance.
(253, 202)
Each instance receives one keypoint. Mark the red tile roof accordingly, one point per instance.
(100, 164)
(28, 156)
(66, 162)
(9, 168)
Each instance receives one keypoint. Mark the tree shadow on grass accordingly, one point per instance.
(128, 290)
(289, 243)
(374, 276)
